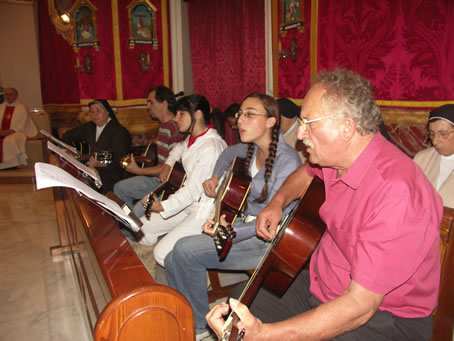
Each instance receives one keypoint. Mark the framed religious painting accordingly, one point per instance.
(142, 23)
(292, 16)
(83, 14)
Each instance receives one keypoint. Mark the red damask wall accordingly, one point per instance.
(227, 49)
(405, 48)
(116, 75)
(294, 77)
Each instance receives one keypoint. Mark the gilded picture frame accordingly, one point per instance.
(83, 15)
(292, 16)
(142, 23)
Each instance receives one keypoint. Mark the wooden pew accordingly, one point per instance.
(109, 271)
(443, 315)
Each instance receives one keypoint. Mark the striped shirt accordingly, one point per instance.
(168, 136)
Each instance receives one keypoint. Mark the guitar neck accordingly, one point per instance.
(238, 184)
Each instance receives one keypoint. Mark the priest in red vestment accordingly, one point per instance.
(15, 127)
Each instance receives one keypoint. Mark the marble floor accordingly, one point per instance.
(40, 299)
(39, 295)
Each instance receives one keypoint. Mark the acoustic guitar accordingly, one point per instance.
(84, 153)
(175, 180)
(289, 251)
(148, 158)
(230, 199)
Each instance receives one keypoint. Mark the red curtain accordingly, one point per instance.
(405, 48)
(135, 82)
(59, 82)
(62, 84)
(101, 82)
(294, 77)
(227, 49)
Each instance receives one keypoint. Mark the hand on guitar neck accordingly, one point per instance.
(147, 159)
(151, 204)
(172, 178)
(129, 162)
(230, 195)
(243, 319)
(210, 227)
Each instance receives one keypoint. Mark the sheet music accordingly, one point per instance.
(76, 163)
(52, 176)
(57, 141)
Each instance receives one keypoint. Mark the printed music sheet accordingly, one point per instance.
(57, 141)
(52, 176)
(76, 163)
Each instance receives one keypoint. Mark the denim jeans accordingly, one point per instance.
(135, 188)
(186, 267)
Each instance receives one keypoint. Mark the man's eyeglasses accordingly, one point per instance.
(247, 114)
(444, 134)
(304, 123)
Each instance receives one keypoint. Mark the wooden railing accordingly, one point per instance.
(444, 313)
(111, 277)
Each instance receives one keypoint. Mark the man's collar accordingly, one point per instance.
(361, 165)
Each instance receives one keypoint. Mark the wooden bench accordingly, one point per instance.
(118, 292)
(444, 313)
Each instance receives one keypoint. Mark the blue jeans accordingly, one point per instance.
(186, 267)
(135, 188)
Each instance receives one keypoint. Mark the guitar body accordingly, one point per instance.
(230, 201)
(287, 254)
(175, 180)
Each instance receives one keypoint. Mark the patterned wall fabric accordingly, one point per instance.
(116, 74)
(135, 83)
(227, 49)
(405, 48)
(58, 80)
(101, 83)
(294, 77)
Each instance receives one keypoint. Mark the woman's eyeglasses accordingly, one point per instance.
(443, 134)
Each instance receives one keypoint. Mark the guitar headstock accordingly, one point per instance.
(223, 240)
(148, 206)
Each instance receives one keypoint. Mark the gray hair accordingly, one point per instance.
(349, 94)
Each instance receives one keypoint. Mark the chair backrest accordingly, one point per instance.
(443, 315)
(154, 312)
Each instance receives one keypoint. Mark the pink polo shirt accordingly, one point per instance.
(383, 218)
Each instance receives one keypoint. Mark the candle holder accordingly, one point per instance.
(144, 61)
(283, 54)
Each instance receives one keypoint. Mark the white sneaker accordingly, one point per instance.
(203, 335)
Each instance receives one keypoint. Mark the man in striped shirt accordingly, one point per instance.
(161, 106)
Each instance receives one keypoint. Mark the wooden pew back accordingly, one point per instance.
(443, 315)
(154, 312)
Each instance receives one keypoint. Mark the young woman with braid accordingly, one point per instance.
(269, 160)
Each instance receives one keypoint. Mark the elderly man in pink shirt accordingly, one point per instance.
(376, 271)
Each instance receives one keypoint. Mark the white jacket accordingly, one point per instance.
(198, 162)
(429, 161)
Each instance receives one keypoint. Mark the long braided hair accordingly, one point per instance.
(272, 110)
